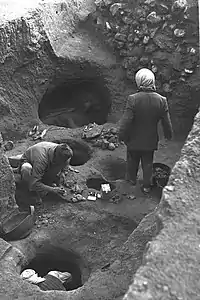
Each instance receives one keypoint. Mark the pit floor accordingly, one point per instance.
(97, 230)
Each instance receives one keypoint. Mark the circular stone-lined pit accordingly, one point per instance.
(57, 259)
(76, 103)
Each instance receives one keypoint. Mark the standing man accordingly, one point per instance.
(139, 127)
(40, 165)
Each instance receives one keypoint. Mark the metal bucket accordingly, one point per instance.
(161, 173)
(18, 226)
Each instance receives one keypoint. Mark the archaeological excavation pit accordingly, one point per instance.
(76, 103)
(57, 259)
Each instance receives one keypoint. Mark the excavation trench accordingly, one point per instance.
(76, 103)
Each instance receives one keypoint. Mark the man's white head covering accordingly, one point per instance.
(31, 276)
(145, 79)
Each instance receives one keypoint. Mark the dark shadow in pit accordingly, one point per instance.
(82, 152)
(75, 103)
(58, 259)
(95, 183)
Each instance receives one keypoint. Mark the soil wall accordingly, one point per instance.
(43, 49)
(162, 36)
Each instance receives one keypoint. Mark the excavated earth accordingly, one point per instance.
(53, 62)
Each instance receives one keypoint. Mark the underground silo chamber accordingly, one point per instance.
(76, 103)
(58, 259)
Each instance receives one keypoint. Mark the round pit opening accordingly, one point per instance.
(82, 152)
(57, 259)
(96, 182)
(76, 103)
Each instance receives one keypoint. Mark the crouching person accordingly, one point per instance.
(54, 280)
(40, 166)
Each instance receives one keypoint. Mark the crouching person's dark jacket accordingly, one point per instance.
(138, 127)
(51, 283)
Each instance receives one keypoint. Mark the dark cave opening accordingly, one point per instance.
(58, 259)
(76, 103)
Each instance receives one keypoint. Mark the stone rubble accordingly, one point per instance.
(152, 28)
(100, 137)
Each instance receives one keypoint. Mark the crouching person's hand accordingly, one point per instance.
(58, 191)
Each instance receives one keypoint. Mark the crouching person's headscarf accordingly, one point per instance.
(145, 80)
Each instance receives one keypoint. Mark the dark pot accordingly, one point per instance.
(18, 226)
(161, 181)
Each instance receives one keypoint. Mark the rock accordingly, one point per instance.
(163, 42)
(139, 33)
(98, 143)
(131, 37)
(105, 144)
(153, 18)
(188, 71)
(108, 2)
(154, 69)
(136, 40)
(166, 88)
(179, 6)
(142, 19)
(150, 48)
(113, 139)
(111, 146)
(132, 197)
(113, 130)
(120, 37)
(130, 47)
(123, 52)
(165, 74)
(152, 31)
(79, 197)
(167, 17)
(146, 39)
(144, 60)
(162, 8)
(74, 200)
(134, 24)
(119, 45)
(100, 21)
(127, 20)
(151, 3)
(92, 131)
(115, 8)
(130, 73)
(99, 3)
(130, 62)
(124, 30)
(179, 32)
(140, 12)
(191, 50)
(8, 146)
(108, 27)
